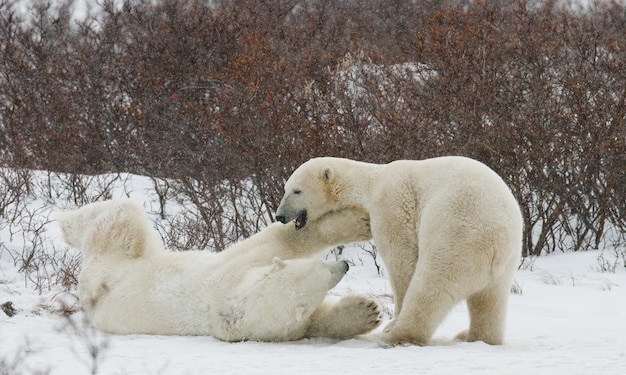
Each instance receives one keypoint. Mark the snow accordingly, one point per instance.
(570, 318)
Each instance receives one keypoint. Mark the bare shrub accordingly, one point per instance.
(613, 255)
(215, 215)
(370, 249)
(43, 265)
(78, 189)
(15, 186)
(162, 188)
(183, 232)
(234, 95)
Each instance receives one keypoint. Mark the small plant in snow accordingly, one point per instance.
(15, 365)
(527, 263)
(550, 279)
(337, 251)
(370, 249)
(8, 309)
(516, 288)
(87, 340)
(610, 259)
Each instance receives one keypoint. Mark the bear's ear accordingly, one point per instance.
(328, 173)
(279, 264)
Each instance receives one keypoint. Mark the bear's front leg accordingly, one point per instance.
(344, 319)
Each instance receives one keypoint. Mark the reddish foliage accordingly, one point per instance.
(248, 90)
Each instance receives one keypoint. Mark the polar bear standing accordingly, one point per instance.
(447, 228)
(130, 284)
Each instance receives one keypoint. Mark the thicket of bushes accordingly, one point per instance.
(219, 101)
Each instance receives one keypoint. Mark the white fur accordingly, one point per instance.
(130, 284)
(448, 229)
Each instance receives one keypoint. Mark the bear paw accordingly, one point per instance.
(360, 314)
(462, 336)
(349, 317)
(389, 327)
(389, 340)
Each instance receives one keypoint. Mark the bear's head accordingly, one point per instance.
(114, 226)
(287, 293)
(313, 190)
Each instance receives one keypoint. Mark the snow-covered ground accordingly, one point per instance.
(570, 318)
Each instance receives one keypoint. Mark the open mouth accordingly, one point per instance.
(301, 220)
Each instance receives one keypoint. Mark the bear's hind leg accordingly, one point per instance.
(344, 319)
(487, 310)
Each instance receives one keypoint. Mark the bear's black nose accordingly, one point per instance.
(281, 218)
(347, 265)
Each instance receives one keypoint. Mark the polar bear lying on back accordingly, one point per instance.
(130, 284)
(448, 229)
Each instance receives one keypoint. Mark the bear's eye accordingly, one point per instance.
(297, 191)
